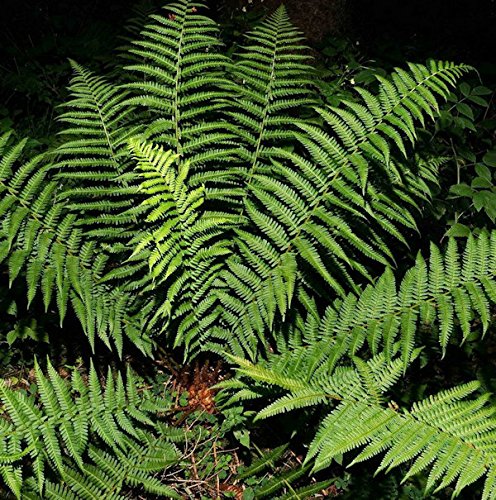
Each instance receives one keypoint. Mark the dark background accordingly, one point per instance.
(37, 37)
(466, 28)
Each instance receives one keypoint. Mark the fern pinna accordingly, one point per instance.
(202, 202)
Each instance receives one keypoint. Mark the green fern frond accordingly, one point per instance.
(316, 208)
(67, 428)
(453, 437)
(450, 291)
(271, 86)
(183, 244)
(435, 432)
(179, 80)
(93, 159)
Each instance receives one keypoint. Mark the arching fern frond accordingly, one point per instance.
(444, 294)
(271, 87)
(178, 82)
(93, 439)
(183, 244)
(93, 160)
(351, 142)
(315, 207)
(453, 437)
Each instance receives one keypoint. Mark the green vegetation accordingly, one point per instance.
(235, 235)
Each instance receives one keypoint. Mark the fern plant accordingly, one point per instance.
(451, 436)
(298, 223)
(77, 440)
(444, 432)
(205, 203)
